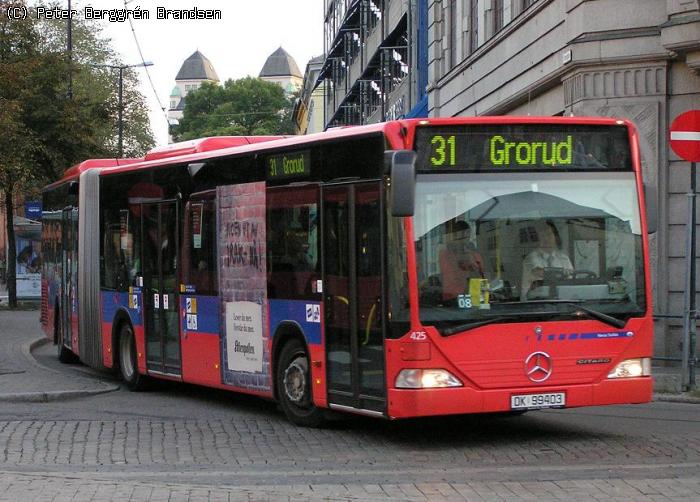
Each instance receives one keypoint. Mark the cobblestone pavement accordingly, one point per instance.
(273, 442)
(34, 487)
(185, 443)
(268, 459)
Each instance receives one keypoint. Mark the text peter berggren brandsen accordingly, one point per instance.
(122, 15)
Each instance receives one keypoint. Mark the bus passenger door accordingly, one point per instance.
(159, 230)
(70, 275)
(352, 267)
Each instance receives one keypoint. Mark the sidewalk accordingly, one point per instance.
(22, 378)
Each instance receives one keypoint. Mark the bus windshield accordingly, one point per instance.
(527, 246)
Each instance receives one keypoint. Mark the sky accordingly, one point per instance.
(237, 45)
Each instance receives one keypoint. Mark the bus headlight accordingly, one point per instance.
(630, 368)
(426, 379)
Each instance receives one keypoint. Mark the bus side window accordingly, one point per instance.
(293, 263)
(112, 261)
(199, 248)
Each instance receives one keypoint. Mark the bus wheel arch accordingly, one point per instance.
(64, 354)
(56, 321)
(292, 377)
(119, 318)
(125, 360)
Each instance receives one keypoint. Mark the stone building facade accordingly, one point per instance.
(308, 108)
(637, 59)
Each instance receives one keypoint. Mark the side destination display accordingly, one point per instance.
(523, 147)
(288, 165)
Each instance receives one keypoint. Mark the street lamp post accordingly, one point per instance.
(120, 106)
(69, 48)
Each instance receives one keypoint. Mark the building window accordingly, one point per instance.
(339, 72)
(524, 4)
(352, 46)
(497, 16)
(374, 15)
(473, 25)
(452, 20)
(395, 64)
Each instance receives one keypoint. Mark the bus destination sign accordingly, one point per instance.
(289, 165)
(523, 147)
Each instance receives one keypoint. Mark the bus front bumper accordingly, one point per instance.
(406, 403)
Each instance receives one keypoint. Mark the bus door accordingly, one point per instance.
(159, 230)
(352, 281)
(69, 279)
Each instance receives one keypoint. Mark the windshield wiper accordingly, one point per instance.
(475, 324)
(595, 314)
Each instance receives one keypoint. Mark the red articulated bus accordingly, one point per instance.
(403, 269)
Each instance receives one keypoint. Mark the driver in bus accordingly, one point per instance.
(459, 261)
(547, 256)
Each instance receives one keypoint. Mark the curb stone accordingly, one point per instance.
(58, 395)
(676, 398)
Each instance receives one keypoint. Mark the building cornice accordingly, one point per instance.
(625, 33)
(681, 36)
(570, 71)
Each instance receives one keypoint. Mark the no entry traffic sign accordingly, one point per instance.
(685, 135)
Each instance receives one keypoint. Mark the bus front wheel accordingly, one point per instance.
(128, 365)
(293, 381)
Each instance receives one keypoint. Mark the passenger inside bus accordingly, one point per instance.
(459, 261)
(547, 256)
(296, 252)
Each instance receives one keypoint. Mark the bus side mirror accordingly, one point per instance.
(401, 165)
(650, 197)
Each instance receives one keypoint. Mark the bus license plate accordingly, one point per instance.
(537, 401)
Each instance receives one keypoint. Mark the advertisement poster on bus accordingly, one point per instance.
(243, 285)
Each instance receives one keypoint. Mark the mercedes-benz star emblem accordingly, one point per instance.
(538, 366)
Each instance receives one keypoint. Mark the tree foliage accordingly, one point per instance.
(248, 106)
(45, 127)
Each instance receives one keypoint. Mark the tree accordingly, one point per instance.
(248, 106)
(44, 129)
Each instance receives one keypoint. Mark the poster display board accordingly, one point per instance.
(28, 265)
(243, 285)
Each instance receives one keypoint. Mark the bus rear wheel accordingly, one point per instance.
(128, 365)
(293, 380)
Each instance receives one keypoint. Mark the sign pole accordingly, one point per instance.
(685, 142)
(688, 300)
(693, 301)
